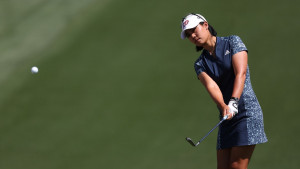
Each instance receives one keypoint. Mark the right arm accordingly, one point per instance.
(214, 92)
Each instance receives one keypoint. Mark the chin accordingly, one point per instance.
(199, 44)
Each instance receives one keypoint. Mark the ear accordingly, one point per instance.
(205, 25)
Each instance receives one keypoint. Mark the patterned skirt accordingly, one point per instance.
(245, 128)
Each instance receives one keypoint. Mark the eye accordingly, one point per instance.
(189, 32)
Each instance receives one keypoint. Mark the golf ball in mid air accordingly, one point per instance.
(34, 70)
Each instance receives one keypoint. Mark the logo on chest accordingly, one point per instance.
(227, 52)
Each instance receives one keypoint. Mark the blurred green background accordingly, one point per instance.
(117, 87)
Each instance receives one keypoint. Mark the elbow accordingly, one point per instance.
(210, 87)
(241, 75)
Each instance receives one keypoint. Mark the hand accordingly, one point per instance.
(226, 112)
(233, 106)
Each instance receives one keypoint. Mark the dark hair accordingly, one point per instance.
(212, 31)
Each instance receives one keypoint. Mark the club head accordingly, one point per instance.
(190, 141)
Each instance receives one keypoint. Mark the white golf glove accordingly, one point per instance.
(233, 106)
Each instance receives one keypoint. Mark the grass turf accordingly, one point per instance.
(117, 89)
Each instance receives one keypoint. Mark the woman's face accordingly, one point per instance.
(199, 34)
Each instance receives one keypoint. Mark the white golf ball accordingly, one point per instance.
(34, 70)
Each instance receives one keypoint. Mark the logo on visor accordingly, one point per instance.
(185, 23)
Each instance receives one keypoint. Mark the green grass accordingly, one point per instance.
(117, 89)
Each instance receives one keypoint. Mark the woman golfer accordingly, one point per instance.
(223, 69)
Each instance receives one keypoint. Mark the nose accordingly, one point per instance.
(193, 35)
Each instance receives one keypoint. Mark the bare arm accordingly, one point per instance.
(214, 91)
(239, 62)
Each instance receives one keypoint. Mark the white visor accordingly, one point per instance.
(191, 21)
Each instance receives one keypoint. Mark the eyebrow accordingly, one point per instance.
(189, 34)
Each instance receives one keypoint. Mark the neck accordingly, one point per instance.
(210, 44)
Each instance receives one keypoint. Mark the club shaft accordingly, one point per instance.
(209, 132)
(191, 141)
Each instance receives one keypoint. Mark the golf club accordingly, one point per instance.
(191, 141)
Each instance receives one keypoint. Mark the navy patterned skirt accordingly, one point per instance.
(247, 127)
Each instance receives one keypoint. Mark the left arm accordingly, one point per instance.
(239, 62)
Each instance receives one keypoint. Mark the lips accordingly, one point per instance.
(196, 40)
